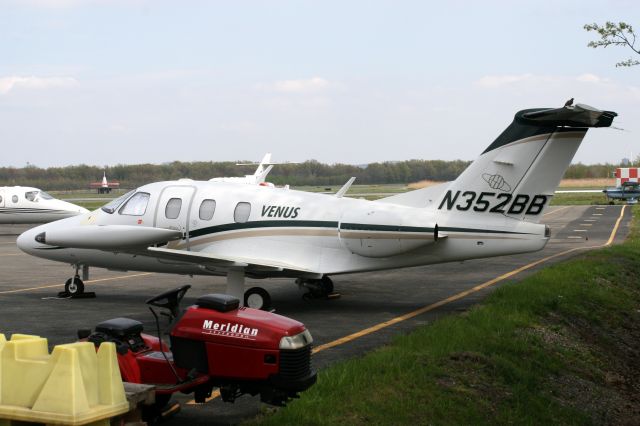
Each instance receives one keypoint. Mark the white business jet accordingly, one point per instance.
(22, 204)
(223, 228)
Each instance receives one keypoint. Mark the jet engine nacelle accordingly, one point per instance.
(368, 235)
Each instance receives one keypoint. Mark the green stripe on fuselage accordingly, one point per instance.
(263, 224)
(334, 225)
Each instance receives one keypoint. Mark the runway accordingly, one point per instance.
(373, 307)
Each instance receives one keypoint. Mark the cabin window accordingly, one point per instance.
(14, 198)
(242, 212)
(207, 208)
(113, 205)
(172, 211)
(31, 195)
(136, 205)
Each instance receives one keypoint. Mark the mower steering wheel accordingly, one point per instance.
(173, 298)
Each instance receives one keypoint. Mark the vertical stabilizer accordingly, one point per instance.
(261, 167)
(517, 174)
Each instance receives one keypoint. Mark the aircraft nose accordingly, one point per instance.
(28, 240)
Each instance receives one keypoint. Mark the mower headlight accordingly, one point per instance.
(296, 342)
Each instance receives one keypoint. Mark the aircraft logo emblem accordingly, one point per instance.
(496, 182)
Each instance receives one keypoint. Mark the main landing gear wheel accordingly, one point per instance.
(257, 298)
(74, 286)
(326, 285)
(319, 289)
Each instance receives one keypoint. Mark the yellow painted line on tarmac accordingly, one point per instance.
(615, 228)
(10, 254)
(121, 277)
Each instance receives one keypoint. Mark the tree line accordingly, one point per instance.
(310, 172)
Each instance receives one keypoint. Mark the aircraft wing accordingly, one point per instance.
(216, 260)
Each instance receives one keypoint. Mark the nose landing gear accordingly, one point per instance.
(74, 286)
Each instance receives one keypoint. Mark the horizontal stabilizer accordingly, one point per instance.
(107, 237)
(580, 115)
(423, 197)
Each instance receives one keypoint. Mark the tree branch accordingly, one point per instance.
(612, 34)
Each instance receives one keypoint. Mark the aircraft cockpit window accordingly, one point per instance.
(0, 198)
(31, 195)
(136, 205)
(207, 208)
(113, 205)
(242, 212)
(45, 196)
(172, 211)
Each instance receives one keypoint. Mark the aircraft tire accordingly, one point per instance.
(74, 286)
(257, 298)
(326, 284)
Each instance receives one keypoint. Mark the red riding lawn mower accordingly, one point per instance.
(214, 343)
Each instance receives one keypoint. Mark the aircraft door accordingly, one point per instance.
(174, 208)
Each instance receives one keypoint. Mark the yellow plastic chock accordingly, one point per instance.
(73, 385)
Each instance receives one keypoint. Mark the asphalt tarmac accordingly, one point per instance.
(373, 307)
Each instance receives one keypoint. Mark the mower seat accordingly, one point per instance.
(218, 302)
(120, 327)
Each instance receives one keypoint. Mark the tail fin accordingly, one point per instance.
(518, 173)
(262, 177)
(266, 160)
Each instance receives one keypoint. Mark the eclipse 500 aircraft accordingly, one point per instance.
(222, 228)
(22, 204)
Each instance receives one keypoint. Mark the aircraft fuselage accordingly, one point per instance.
(315, 234)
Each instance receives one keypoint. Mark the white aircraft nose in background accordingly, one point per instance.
(21, 205)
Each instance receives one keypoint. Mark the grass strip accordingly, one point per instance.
(562, 347)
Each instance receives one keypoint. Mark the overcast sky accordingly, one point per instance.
(133, 81)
